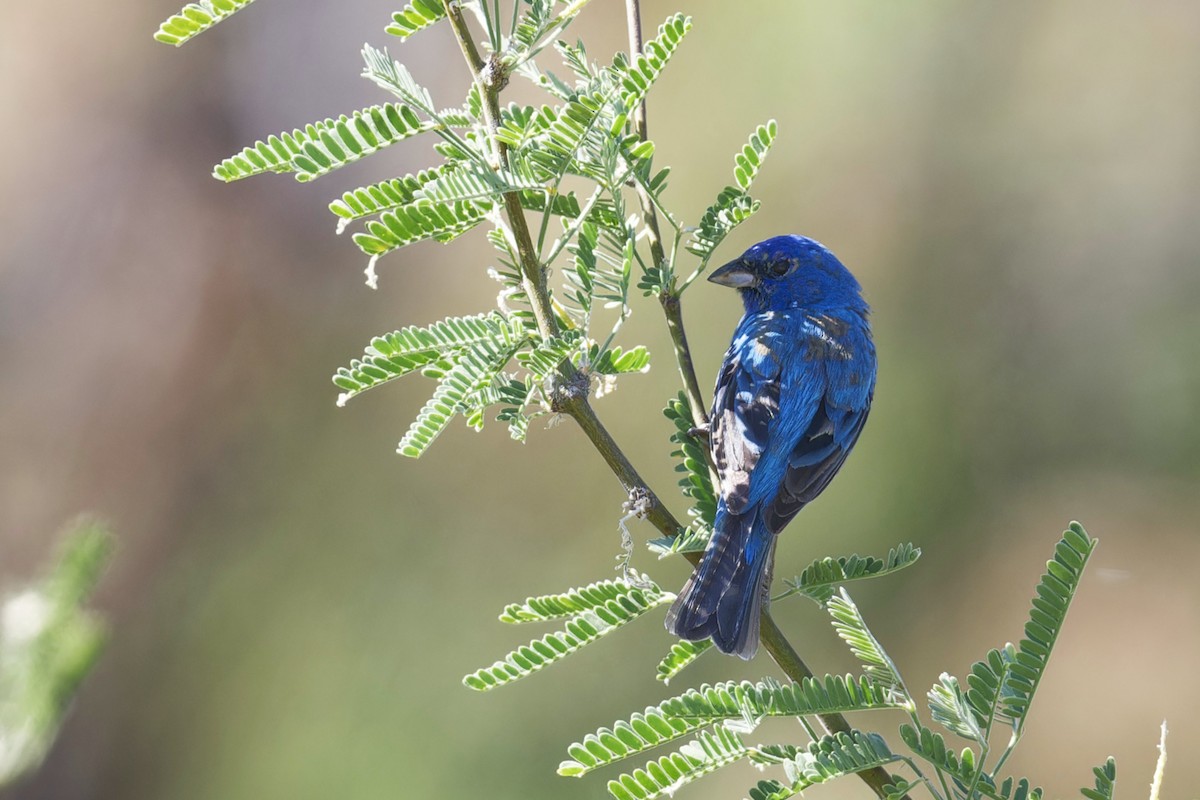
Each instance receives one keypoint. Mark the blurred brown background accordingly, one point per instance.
(293, 604)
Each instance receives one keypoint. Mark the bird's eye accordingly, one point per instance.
(780, 268)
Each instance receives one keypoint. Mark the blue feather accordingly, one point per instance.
(791, 399)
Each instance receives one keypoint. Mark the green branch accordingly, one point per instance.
(570, 388)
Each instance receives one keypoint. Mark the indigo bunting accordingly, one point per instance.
(791, 399)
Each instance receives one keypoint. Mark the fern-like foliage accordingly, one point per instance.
(394, 77)
(1055, 591)
(738, 706)
(476, 367)
(836, 755)
(321, 147)
(593, 275)
(386, 195)
(692, 540)
(195, 18)
(416, 16)
(852, 628)
(555, 141)
(949, 707)
(773, 790)
(637, 77)
(619, 361)
(416, 222)
(597, 618)
(529, 31)
(750, 702)
(591, 597)
(681, 655)
(544, 359)
(960, 767)
(470, 182)
(695, 481)
(1106, 780)
(971, 713)
(733, 205)
(401, 352)
(624, 739)
(708, 752)
(820, 579)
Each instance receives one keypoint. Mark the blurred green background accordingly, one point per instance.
(293, 605)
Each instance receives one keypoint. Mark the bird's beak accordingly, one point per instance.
(736, 275)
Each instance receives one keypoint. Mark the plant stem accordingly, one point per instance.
(673, 311)
(571, 393)
(668, 297)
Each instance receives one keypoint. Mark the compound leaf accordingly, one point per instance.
(195, 18)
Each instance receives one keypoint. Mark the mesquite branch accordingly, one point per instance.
(570, 396)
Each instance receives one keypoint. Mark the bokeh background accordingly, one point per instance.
(293, 605)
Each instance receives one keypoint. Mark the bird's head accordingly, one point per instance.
(791, 272)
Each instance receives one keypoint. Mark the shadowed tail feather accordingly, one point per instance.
(724, 597)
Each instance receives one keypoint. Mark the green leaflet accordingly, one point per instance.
(470, 182)
(1106, 779)
(564, 132)
(1055, 591)
(820, 579)
(850, 626)
(394, 77)
(575, 601)
(530, 28)
(732, 704)
(386, 195)
(640, 733)
(475, 368)
(415, 222)
(401, 352)
(636, 78)
(949, 707)
(617, 361)
(708, 752)
(534, 30)
(195, 18)
(693, 540)
(752, 701)
(962, 767)
(416, 16)
(773, 790)
(733, 205)
(321, 147)
(581, 629)
(681, 654)
(695, 480)
(838, 755)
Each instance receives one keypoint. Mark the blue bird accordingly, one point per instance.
(791, 399)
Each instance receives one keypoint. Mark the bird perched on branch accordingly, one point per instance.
(791, 399)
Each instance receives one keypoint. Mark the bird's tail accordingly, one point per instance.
(724, 597)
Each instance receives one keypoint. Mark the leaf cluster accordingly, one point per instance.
(551, 184)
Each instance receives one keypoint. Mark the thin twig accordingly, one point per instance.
(668, 297)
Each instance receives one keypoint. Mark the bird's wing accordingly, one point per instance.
(745, 403)
(815, 459)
